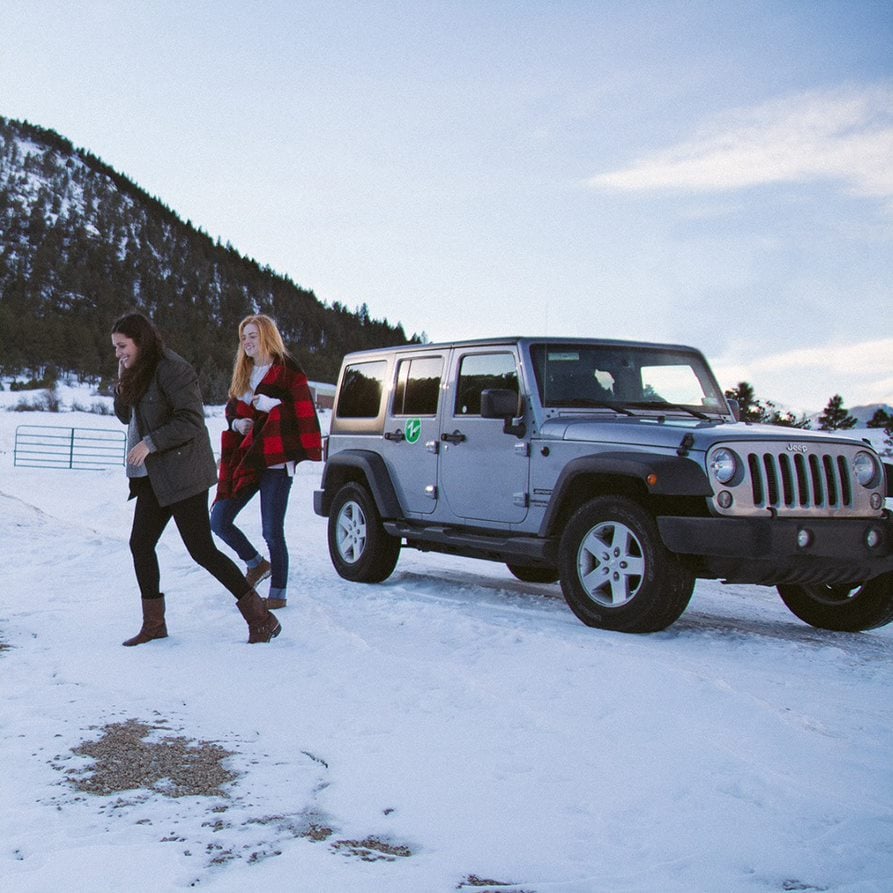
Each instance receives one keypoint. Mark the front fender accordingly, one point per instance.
(658, 476)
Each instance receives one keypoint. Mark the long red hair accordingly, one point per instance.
(271, 345)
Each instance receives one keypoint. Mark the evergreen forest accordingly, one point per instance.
(80, 244)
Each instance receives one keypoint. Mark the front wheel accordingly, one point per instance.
(843, 608)
(616, 572)
(360, 548)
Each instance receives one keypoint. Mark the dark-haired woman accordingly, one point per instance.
(170, 466)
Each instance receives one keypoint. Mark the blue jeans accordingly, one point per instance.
(274, 487)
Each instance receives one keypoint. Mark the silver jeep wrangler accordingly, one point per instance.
(615, 467)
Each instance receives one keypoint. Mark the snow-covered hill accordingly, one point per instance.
(450, 729)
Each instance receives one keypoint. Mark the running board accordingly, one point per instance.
(522, 550)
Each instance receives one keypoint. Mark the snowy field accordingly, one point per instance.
(450, 729)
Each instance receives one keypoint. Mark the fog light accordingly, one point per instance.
(872, 538)
(724, 499)
(804, 538)
(876, 501)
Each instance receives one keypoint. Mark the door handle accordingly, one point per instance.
(397, 435)
(456, 437)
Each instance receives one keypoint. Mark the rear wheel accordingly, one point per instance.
(360, 548)
(615, 571)
(846, 608)
(530, 574)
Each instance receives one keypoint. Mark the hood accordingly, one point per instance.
(625, 431)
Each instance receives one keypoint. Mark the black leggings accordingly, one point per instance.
(191, 518)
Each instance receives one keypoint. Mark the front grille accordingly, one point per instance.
(810, 479)
(783, 480)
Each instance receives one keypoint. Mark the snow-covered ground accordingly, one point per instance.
(449, 729)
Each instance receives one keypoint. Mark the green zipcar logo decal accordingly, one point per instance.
(413, 430)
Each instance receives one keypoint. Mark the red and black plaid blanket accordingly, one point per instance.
(289, 432)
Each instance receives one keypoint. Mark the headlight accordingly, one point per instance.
(866, 469)
(724, 464)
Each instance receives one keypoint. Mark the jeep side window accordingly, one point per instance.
(361, 388)
(418, 386)
(478, 372)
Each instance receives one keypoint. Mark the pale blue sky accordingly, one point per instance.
(711, 173)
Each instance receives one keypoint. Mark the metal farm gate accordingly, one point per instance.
(50, 446)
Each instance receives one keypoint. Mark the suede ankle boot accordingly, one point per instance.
(255, 575)
(153, 622)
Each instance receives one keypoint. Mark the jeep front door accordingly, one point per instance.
(483, 471)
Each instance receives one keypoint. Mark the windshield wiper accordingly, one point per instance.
(586, 403)
(652, 404)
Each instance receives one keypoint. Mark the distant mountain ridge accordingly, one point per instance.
(81, 243)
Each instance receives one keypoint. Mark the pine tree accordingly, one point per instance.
(749, 408)
(785, 419)
(880, 419)
(835, 416)
(883, 419)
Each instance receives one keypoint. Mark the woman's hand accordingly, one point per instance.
(137, 456)
(242, 426)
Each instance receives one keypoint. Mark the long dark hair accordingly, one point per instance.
(134, 381)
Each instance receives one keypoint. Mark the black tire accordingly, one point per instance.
(843, 608)
(528, 574)
(360, 548)
(615, 571)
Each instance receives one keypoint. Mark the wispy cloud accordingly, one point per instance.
(873, 355)
(859, 371)
(845, 135)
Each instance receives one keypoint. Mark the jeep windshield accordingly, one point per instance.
(624, 378)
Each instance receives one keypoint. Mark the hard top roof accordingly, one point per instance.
(521, 340)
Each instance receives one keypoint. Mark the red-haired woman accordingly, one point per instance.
(272, 425)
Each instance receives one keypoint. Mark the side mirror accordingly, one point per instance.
(501, 403)
(498, 403)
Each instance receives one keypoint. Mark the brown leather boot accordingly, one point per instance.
(153, 622)
(262, 625)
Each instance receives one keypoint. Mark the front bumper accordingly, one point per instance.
(772, 551)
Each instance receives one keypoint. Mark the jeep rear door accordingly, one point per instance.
(411, 431)
(483, 471)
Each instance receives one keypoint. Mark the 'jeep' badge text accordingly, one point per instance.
(798, 448)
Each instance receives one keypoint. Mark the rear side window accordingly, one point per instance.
(361, 388)
(418, 386)
(481, 371)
